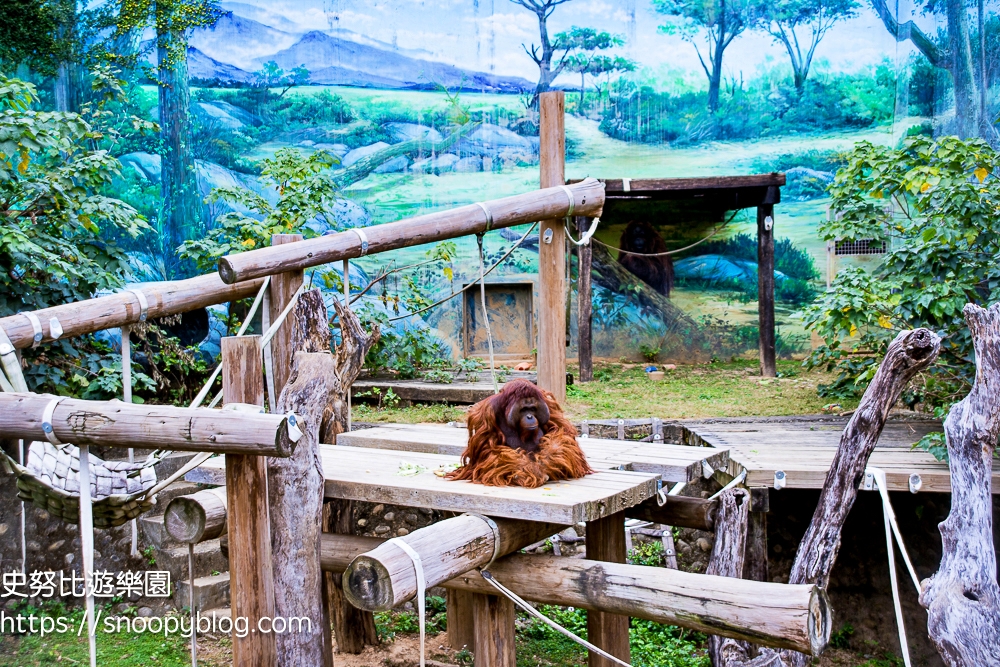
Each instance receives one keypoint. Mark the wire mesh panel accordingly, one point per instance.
(862, 247)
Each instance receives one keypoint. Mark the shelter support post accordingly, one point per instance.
(247, 517)
(765, 280)
(552, 251)
(353, 628)
(606, 542)
(493, 622)
(461, 633)
(584, 304)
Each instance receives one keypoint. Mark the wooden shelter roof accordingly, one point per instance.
(714, 192)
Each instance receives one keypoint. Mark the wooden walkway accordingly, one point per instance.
(803, 448)
(414, 479)
(672, 463)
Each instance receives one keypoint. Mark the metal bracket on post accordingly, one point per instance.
(779, 479)
(657, 429)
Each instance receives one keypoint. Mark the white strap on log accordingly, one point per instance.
(486, 315)
(87, 546)
(364, 240)
(572, 201)
(891, 529)
(418, 569)
(488, 212)
(736, 481)
(496, 537)
(513, 597)
(47, 430)
(36, 328)
(626, 185)
(11, 377)
(143, 303)
(126, 345)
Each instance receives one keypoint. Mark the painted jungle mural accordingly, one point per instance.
(382, 109)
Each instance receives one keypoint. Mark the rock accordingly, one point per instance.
(56, 545)
(491, 140)
(670, 367)
(223, 115)
(427, 510)
(306, 143)
(718, 270)
(378, 509)
(402, 531)
(382, 530)
(408, 131)
(471, 164)
(703, 544)
(394, 166)
(411, 519)
(34, 546)
(144, 165)
(69, 558)
(437, 165)
(3, 529)
(389, 516)
(41, 515)
(362, 522)
(144, 612)
(364, 151)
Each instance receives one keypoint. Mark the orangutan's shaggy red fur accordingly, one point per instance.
(520, 437)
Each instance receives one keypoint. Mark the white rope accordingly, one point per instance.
(585, 239)
(265, 318)
(347, 306)
(572, 201)
(486, 316)
(734, 482)
(488, 576)
(889, 520)
(418, 570)
(489, 214)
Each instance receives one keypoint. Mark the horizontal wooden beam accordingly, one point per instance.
(117, 424)
(544, 204)
(797, 617)
(651, 185)
(680, 511)
(116, 310)
(384, 577)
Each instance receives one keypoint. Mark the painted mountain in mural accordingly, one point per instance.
(236, 46)
(336, 61)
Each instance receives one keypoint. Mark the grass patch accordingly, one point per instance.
(729, 389)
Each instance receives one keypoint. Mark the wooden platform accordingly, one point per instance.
(408, 478)
(804, 447)
(673, 463)
(422, 391)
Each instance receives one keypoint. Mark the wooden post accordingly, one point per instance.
(606, 542)
(755, 564)
(282, 289)
(728, 552)
(251, 578)
(584, 305)
(962, 598)
(552, 252)
(765, 286)
(461, 628)
(353, 627)
(493, 620)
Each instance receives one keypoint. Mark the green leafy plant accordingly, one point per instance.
(440, 376)
(933, 203)
(647, 553)
(648, 352)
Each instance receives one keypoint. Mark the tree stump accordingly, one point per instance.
(316, 391)
(962, 599)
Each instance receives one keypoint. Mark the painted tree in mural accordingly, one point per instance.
(173, 20)
(548, 49)
(585, 59)
(953, 55)
(800, 25)
(719, 22)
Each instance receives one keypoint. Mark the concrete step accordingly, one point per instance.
(178, 488)
(155, 534)
(208, 558)
(172, 463)
(210, 592)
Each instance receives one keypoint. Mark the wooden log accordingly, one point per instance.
(251, 575)
(385, 577)
(122, 309)
(608, 631)
(780, 615)
(493, 625)
(461, 628)
(354, 628)
(765, 288)
(318, 383)
(907, 355)
(117, 424)
(755, 563)
(729, 550)
(552, 250)
(682, 511)
(429, 228)
(198, 517)
(584, 305)
(962, 598)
